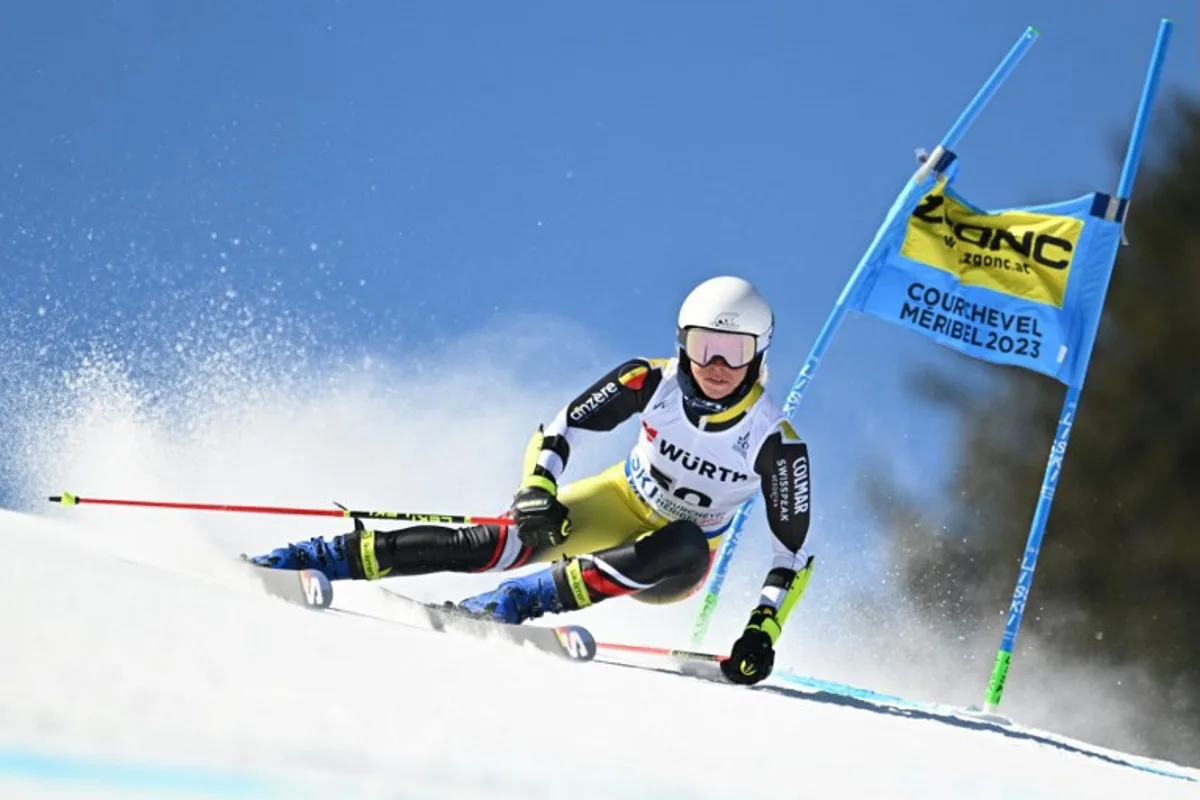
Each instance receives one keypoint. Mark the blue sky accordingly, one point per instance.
(386, 175)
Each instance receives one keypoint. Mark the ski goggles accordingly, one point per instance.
(702, 345)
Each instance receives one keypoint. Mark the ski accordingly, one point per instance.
(304, 587)
(572, 642)
(310, 588)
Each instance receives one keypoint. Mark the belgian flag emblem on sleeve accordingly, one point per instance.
(634, 378)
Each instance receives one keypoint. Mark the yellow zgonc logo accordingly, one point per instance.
(1017, 253)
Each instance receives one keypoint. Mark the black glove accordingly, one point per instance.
(541, 520)
(753, 654)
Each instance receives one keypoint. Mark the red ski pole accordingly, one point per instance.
(690, 655)
(68, 499)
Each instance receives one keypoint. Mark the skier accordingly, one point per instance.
(649, 525)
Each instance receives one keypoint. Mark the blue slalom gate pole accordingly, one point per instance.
(1070, 408)
(949, 142)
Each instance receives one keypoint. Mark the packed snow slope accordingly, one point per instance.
(137, 658)
(125, 676)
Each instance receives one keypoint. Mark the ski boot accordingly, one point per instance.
(328, 557)
(517, 599)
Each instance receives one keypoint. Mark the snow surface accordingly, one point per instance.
(138, 659)
(136, 677)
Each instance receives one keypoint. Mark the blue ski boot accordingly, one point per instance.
(316, 553)
(517, 600)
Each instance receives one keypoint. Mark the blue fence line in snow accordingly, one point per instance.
(153, 779)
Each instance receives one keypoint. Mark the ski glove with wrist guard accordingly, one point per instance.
(541, 519)
(753, 654)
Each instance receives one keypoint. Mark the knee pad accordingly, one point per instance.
(675, 548)
(682, 548)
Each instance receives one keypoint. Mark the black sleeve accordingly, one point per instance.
(605, 404)
(614, 398)
(782, 463)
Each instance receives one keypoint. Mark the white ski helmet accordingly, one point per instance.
(713, 311)
(728, 304)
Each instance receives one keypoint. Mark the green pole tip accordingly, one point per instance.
(1034, 31)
